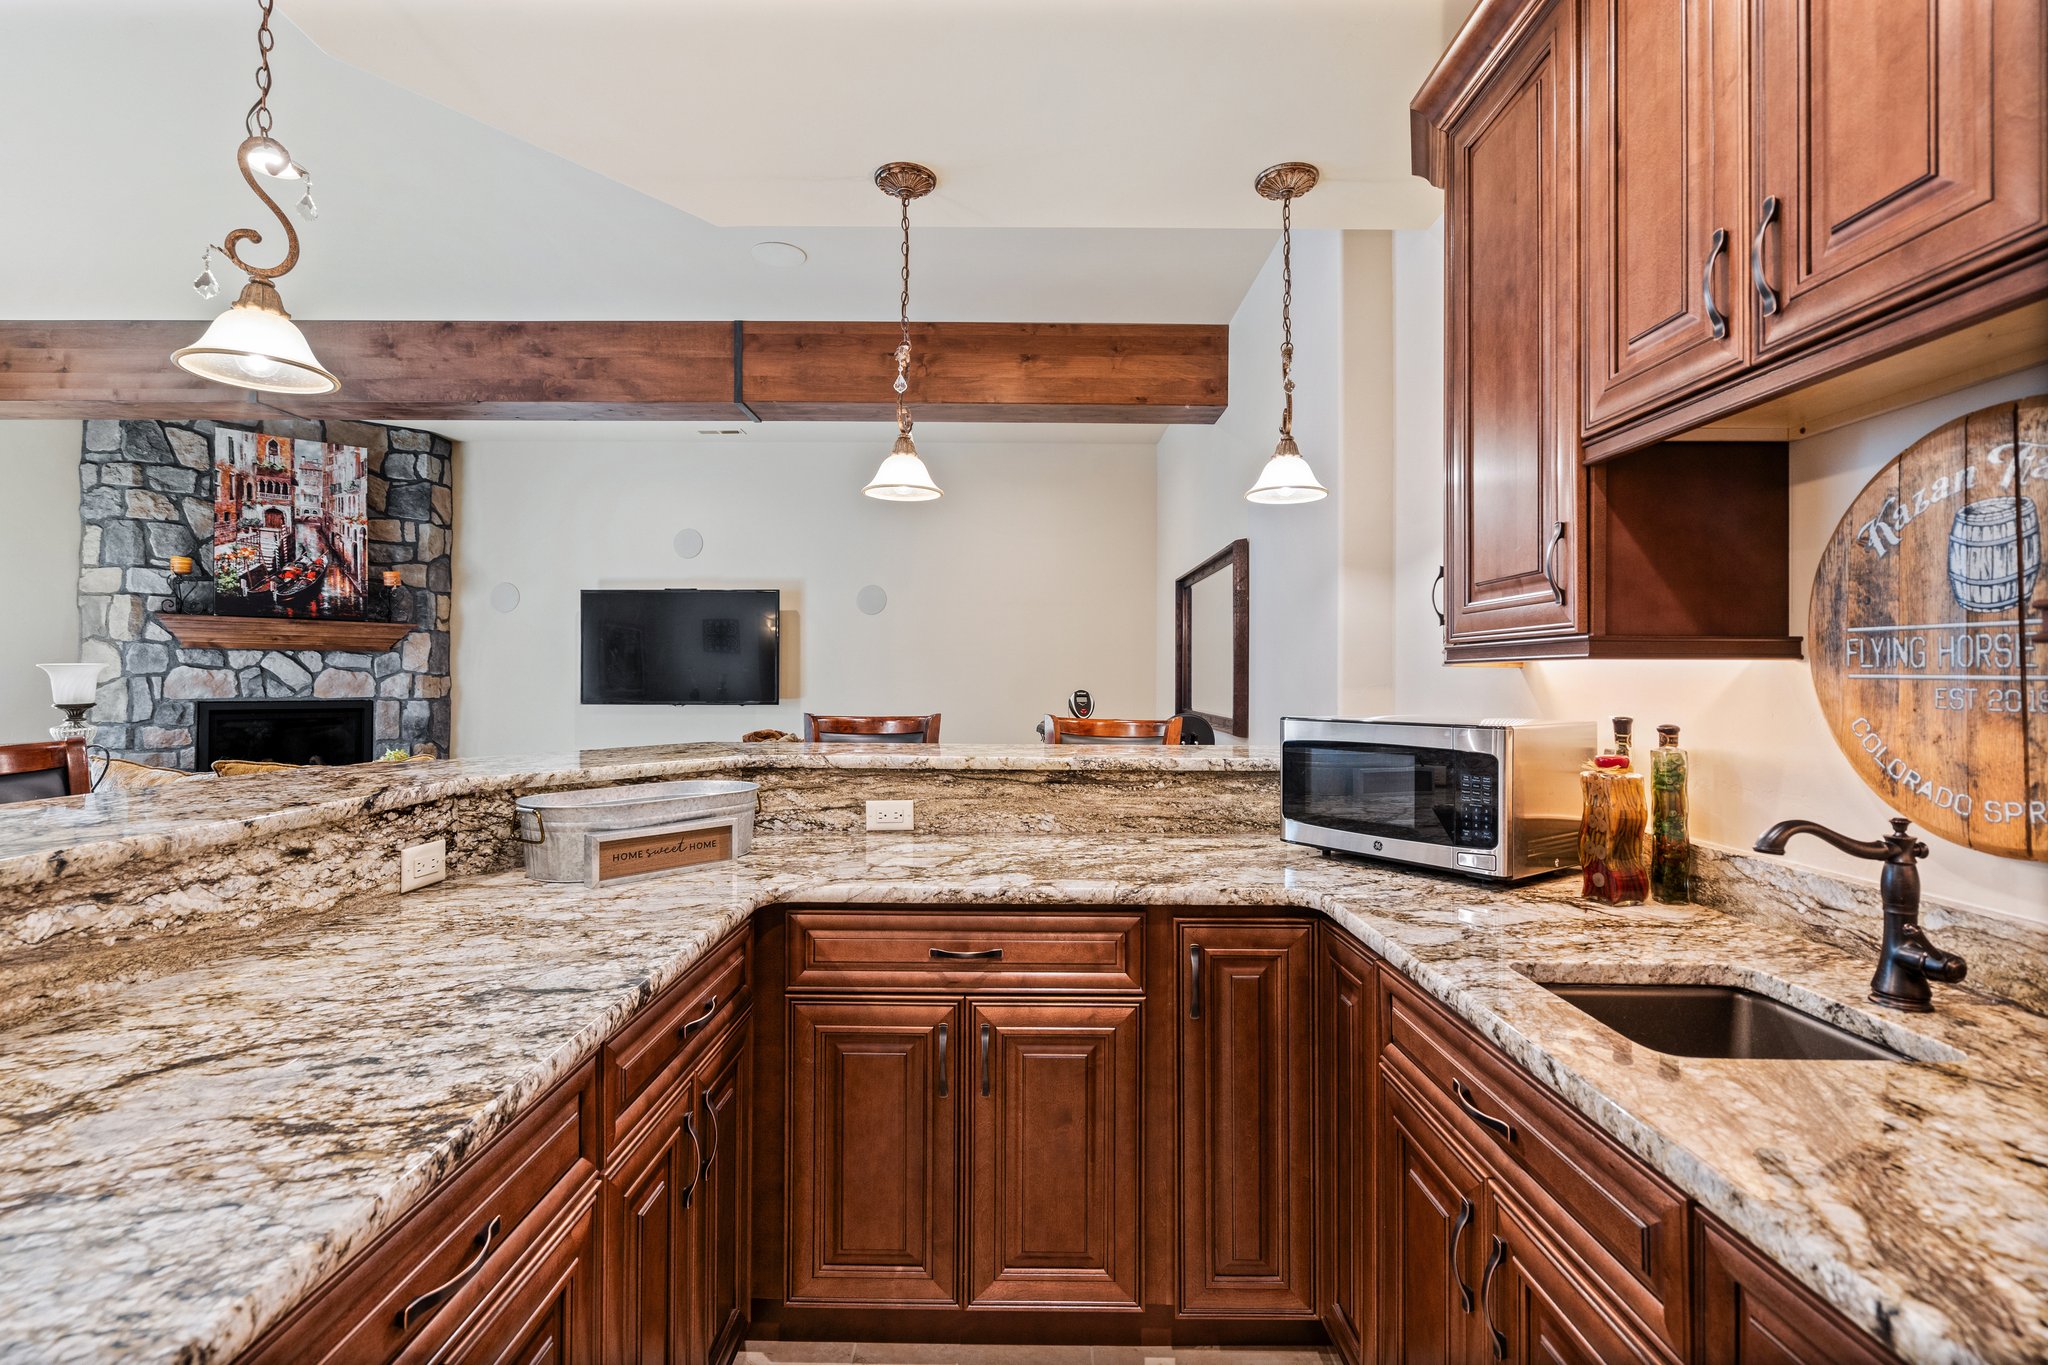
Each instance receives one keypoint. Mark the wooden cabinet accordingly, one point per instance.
(1752, 1313)
(645, 1212)
(1347, 1068)
(547, 1313)
(874, 1150)
(1900, 148)
(721, 1213)
(1247, 1155)
(1432, 1206)
(1053, 1154)
(1665, 131)
(1512, 545)
(1537, 1308)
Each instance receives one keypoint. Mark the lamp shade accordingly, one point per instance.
(1286, 478)
(73, 684)
(902, 477)
(254, 345)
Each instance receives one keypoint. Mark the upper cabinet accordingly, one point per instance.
(1664, 213)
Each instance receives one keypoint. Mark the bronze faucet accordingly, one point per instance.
(1907, 961)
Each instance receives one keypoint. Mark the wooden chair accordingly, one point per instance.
(1067, 730)
(871, 729)
(46, 768)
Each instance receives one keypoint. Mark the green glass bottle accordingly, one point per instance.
(1670, 836)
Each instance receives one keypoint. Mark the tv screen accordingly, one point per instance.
(681, 647)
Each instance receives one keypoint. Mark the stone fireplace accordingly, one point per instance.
(146, 494)
(338, 730)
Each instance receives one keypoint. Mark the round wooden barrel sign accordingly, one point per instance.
(1919, 631)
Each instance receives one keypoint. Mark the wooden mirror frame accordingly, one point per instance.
(1237, 557)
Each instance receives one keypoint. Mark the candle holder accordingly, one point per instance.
(388, 600)
(188, 591)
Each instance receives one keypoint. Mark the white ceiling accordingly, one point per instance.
(1034, 113)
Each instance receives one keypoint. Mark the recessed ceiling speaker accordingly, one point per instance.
(871, 600)
(782, 255)
(689, 543)
(505, 597)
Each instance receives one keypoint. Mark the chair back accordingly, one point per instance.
(871, 729)
(46, 768)
(1068, 730)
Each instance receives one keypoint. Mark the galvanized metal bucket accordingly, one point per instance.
(561, 830)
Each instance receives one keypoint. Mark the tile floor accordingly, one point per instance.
(863, 1353)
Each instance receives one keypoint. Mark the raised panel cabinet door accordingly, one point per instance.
(1348, 1064)
(1512, 426)
(1663, 195)
(1431, 1221)
(1538, 1309)
(547, 1313)
(1900, 149)
(1053, 1154)
(1247, 1097)
(873, 1147)
(1753, 1313)
(647, 1189)
(721, 1201)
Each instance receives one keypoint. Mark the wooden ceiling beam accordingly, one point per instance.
(642, 371)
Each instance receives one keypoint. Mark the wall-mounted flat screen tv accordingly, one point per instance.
(681, 647)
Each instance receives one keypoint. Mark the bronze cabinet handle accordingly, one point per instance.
(1457, 1265)
(942, 1061)
(440, 1294)
(1549, 550)
(1500, 1128)
(1766, 297)
(697, 1146)
(1716, 319)
(710, 1112)
(1194, 981)
(987, 1035)
(1436, 603)
(1493, 1263)
(692, 1025)
(978, 955)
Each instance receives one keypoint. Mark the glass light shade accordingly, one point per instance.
(73, 684)
(902, 477)
(255, 346)
(1286, 478)
(267, 156)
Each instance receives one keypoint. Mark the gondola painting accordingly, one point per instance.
(289, 531)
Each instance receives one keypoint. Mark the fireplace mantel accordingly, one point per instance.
(195, 631)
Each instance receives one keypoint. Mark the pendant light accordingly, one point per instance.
(903, 477)
(1286, 477)
(254, 345)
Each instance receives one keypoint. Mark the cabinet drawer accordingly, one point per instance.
(1625, 1220)
(428, 1275)
(965, 950)
(643, 1060)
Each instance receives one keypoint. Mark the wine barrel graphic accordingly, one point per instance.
(1994, 553)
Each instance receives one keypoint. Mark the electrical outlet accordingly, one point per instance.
(895, 815)
(423, 865)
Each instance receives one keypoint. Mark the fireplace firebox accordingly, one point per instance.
(310, 732)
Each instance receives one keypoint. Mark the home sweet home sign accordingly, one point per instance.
(1919, 632)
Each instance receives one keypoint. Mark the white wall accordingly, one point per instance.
(1761, 749)
(1033, 575)
(1301, 600)
(39, 531)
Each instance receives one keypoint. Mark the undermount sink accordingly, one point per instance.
(1717, 1021)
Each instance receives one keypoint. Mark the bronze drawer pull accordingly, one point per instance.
(1716, 319)
(1550, 549)
(942, 1061)
(1500, 1128)
(696, 1145)
(1457, 1236)
(987, 1036)
(439, 1295)
(1766, 297)
(1493, 1263)
(1194, 981)
(692, 1025)
(710, 1112)
(978, 955)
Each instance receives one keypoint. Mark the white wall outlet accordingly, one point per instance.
(894, 815)
(423, 865)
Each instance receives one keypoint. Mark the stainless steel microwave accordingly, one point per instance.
(1486, 798)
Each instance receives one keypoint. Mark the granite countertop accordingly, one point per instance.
(182, 1160)
(43, 839)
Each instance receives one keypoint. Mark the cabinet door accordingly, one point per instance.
(1053, 1150)
(1431, 1222)
(1901, 146)
(1349, 1062)
(547, 1313)
(1512, 543)
(646, 1190)
(1664, 201)
(1753, 1313)
(720, 1206)
(1247, 1045)
(1538, 1310)
(873, 1149)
